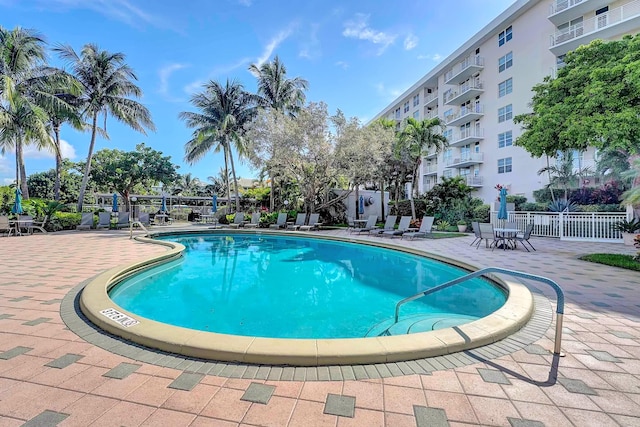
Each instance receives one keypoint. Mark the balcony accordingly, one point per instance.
(562, 11)
(465, 160)
(464, 69)
(431, 155)
(464, 93)
(465, 115)
(431, 99)
(430, 169)
(474, 181)
(430, 114)
(621, 20)
(468, 136)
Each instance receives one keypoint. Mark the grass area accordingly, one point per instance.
(615, 260)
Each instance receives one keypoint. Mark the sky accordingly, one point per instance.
(357, 55)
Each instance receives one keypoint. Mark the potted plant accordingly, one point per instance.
(628, 229)
(462, 225)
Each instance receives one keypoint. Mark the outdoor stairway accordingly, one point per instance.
(418, 323)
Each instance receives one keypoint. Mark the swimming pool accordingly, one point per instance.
(96, 304)
(301, 287)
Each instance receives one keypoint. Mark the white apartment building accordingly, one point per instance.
(479, 88)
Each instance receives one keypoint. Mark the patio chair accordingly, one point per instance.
(405, 222)
(300, 221)
(370, 225)
(312, 224)
(524, 237)
(104, 220)
(27, 222)
(123, 220)
(86, 222)
(389, 224)
(5, 225)
(238, 220)
(143, 218)
(281, 221)
(255, 221)
(426, 227)
(476, 232)
(350, 224)
(486, 234)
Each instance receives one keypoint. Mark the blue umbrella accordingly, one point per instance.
(502, 212)
(163, 208)
(115, 203)
(17, 206)
(361, 205)
(214, 204)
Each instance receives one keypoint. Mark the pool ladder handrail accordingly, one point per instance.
(481, 272)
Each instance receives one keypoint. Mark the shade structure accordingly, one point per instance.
(502, 212)
(114, 208)
(163, 208)
(361, 205)
(214, 204)
(17, 205)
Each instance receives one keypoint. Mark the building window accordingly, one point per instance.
(416, 100)
(447, 173)
(505, 62)
(505, 139)
(397, 113)
(505, 113)
(504, 36)
(505, 87)
(416, 114)
(406, 107)
(504, 165)
(448, 134)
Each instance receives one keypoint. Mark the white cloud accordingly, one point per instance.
(311, 48)
(436, 57)
(4, 165)
(358, 28)
(164, 74)
(32, 152)
(273, 44)
(342, 64)
(410, 42)
(8, 181)
(387, 92)
(217, 72)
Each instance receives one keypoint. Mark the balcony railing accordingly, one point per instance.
(597, 23)
(470, 63)
(429, 98)
(470, 89)
(429, 169)
(430, 114)
(473, 111)
(474, 181)
(466, 158)
(560, 5)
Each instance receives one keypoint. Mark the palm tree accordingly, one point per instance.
(280, 93)
(106, 83)
(224, 110)
(187, 185)
(419, 136)
(562, 175)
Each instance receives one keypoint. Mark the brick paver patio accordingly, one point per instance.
(50, 376)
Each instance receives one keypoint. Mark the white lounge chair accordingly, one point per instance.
(312, 224)
(300, 220)
(86, 222)
(426, 227)
(104, 220)
(370, 225)
(123, 220)
(238, 220)
(5, 225)
(405, 222)
(281, 221)
(389, 224)
(255, 221)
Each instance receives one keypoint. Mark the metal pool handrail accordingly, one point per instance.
(554, 285)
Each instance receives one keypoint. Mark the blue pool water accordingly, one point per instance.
(296, 287)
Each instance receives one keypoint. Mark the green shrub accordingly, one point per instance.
(602, 208)
(518, 201)
(64, 221)
(481, 213)
(534, 207)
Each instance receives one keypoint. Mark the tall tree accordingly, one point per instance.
(224, 111)
(107, 85)
(419, 136)
(278, 92)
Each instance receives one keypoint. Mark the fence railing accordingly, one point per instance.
(581, 226)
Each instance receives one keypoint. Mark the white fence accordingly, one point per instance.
(582, 226)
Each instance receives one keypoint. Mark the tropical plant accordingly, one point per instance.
(224, 112)
(278, 92)
(419, 136)
(625, 226)
(563, 175)
(563, 206)
(186, 185)
(106, 87)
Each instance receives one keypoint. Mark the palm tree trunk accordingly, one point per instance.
(87, 167)
(357, 203)
(414, 191)
(56, 144)
(226, 176)
(271, 192)
(553, 197)
(21, 169)
(382, 199)
(235, 180)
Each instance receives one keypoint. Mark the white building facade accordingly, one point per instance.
(486, 82)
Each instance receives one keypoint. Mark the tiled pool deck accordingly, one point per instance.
(50, 376)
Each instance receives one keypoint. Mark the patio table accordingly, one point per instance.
(506, 235)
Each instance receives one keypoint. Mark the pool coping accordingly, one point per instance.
(508, 319)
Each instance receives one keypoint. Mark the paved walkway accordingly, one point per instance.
(49, 376)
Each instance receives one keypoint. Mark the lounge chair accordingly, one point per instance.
(389, 224)
(426, 227)
(486, 234)
(238, 220)
(86, 222)
(300, 220)
(405, 222)
(5, 225)
(27, 222)
(476, 232)
(350, 224)
(143, 218)
(370, 225)
(123, 220)
(524, 237)
(255, 221)
(104, 220)
(281, 222)
(312, 224)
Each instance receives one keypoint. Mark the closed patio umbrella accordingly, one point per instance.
(361, 205)
(214, 204)
(17, 205)
(114, 208)
(502, 212)
(163, 208)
